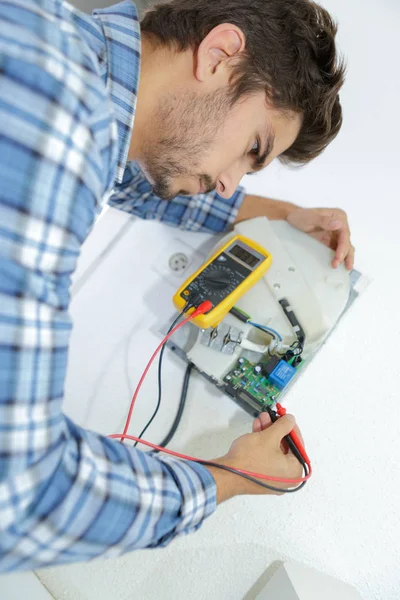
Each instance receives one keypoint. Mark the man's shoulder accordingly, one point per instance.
(56, 121)
(53, 38)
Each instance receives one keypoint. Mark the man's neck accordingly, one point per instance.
(162, 70)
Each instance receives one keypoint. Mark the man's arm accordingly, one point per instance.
(202, 212)
(211, 213)
(257, 206)
(66, 494)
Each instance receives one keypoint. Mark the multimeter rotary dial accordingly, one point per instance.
(220, 281)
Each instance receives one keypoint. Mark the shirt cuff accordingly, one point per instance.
(198, 490)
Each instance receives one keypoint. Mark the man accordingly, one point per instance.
(225, 87)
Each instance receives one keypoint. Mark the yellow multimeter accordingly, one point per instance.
(223, 279)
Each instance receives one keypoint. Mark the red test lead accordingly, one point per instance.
(202, 308)
(293, 435)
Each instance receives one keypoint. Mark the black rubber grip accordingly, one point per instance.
(239, 315)
(293, 320)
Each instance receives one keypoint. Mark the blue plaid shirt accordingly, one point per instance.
(68, 85)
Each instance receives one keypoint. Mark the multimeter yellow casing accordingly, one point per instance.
(230, 272)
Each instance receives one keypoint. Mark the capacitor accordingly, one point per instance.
(240, 361)
(257, 369)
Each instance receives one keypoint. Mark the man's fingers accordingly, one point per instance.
(261, 422)
(325, 237)
(302, 218)
(330, 227)
(331, 219)
(349, 261)
(339, 241)
(257, 425)
(284, 446)
(282, 427)
(342, 248)
(297, 430)
(314, 219)
(305, 219)
(327, 221)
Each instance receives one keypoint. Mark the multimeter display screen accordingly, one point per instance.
(244, 255)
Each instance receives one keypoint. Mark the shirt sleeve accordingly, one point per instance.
(202, 212)
(66, 494)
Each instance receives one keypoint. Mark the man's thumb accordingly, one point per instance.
(282, 427)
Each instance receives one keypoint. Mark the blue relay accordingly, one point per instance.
(282, 374)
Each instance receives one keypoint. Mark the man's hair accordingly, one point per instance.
(290, 53)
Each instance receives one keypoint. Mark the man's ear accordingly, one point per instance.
(224, 42)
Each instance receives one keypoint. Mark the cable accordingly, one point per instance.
(240, 314)
(245, 318)
(153, 416)
(293, 320)
(254, 480)
(266, 330)
(202, 308)
(236, 471)
(182, 402)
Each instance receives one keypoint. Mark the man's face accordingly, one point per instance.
(199, 143)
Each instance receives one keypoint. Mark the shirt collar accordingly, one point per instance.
(121, 29)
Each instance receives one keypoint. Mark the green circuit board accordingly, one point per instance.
(244, 380)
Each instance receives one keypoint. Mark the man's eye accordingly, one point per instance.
(256, 148)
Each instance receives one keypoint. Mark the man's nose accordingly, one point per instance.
(228, 181)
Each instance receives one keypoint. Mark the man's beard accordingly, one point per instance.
(185, 128)
(164, 190)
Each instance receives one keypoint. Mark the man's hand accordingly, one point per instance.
(261, 452)
(329, 226)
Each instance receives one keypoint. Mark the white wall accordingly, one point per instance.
(345, 522)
